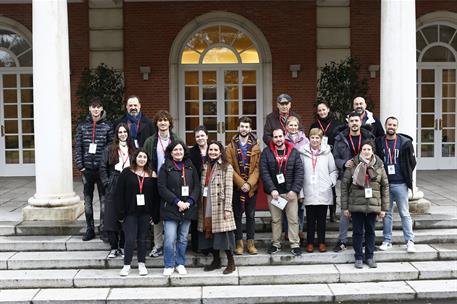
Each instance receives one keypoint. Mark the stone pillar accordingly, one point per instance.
(398, 74)
(54, 198)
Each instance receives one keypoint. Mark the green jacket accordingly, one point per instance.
(353, 197)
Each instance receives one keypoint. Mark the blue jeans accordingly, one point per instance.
(399, 195)
(343, 229)
(363, 222)
(175, 242)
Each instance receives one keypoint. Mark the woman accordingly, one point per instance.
(329, 126)
(215, 215)
(299, 140)
(198, 156)
(320, 176)
(179, 190)
(115, 158)
(364, 195)
(134, 200)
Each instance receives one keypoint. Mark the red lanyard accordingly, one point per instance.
(322, 127)
(183, 174)
(280, 159)
(121, 155)
(163, 148)
(314, 160)
(94, 126)
(391, 155)
(141, 182)
(352, 143)
(367, 181)
(209, 173)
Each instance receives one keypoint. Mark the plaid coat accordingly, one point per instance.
(220, 191)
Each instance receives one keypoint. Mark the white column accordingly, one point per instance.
(54, 198)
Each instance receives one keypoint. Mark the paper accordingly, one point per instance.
(280, 203)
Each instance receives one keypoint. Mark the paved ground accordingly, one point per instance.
(440, 187)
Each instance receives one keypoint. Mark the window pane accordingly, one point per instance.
(10, 111)
(27, 95)
(420, 42)
(448, 135)
(28, 142)
(209, 93)
(27, 111)
(428, 90)
(228, 34)
(209, 77)
(11, 142)
(210, 108)
(190, 139)
(11, 126)
(231, 77)
(191, 93)
(446, 33)
(211, 35)
(231, 108)
(242, 42)
(231, 123)
(210, 123)
(448, 120)
(198, 42)
(192, 108)
(448, 75)
(427, 136)
(249, 92)
(26, 80)
(212, 136)
(220, 55)
(428, 105)
(9, 81)
(6, 60)
(229, 136)
(448, 105)
(249, 107)
(191, 123)
(448, 150)
(431, 33)
(428, 75)
(428, 121)
(28, 157)
(427, 151)
(19, 45)
(231, 92)
(250, 56)
(26, 58)
(191, 78)
(448, 90)
(12, 157)
(27, 126)
(10, 96)
(249, 77)
(190, 57)
(438, 54)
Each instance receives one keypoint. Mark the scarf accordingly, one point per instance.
(134, 124)
(244, 163)
(207, 208)
(364, 169)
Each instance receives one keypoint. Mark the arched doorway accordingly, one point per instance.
(17, 148)
(436, 80)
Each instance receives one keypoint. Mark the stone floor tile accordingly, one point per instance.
(4, 257)
(175, 295)
(17, 296)
(434, 289)
(35, 242)
(446, 251)
(384, 272)
(436, 269)
(372, 291)
(72, 295)
(40, 278)
(111, 278)
(75, 243)
(58, 259)
(198, 277)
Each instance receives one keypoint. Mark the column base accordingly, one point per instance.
(61, 213)
(420, 206)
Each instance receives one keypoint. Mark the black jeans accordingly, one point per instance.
(249, 206)
(315, 220)
(91, 177)
(116, 239)
(136, 228)
(361, 221)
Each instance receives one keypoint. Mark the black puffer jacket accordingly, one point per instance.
(102, 137)
(295, 172)
(169, 185)
(333, 127)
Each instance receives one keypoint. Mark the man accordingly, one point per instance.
(140, 126)
(277, 119)
(368, 120)
(397, 151)
(155, 146)
(347, 145)
(92, 136)
(243, 153)
(282, 173)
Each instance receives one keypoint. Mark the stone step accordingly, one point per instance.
(74, 242)
(99, 260)
(410, 290)
(243, 275)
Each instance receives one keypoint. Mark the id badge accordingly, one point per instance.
(93, 148)
(325, 140)
(185, 191)
(313, 179)
(390, 169)
(136, 143)
(118, 167)
(205, 192)
(140, 199)
(280, 178)
(368, 192)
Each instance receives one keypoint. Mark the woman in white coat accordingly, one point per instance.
(320, 175)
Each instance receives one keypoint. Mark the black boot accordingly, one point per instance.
(89, 235)
(215, 264)
(230, 263)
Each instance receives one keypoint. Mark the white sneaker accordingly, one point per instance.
(168, 271)
(125, 271)
(181, 269)
(112, 254)
(385, 246)
(410, 248)
(142, 269)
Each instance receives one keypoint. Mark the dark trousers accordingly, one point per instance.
(90, 178)
(136, 228)
(315, 220)
(116, 239)
(249, 206)
(361, 221)
(194, 235)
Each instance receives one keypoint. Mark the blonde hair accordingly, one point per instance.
(316, 131)
(292, 118)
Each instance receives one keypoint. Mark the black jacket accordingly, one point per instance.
(407, 156)
(294, 175)
(102, 137)
(196, 158)
(147, 128)
(332, 129)
(169, 184)
(272, 123)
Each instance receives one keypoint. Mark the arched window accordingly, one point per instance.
(436, 43)
(15, 51)
(219, 44)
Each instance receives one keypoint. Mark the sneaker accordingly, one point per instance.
(296, 251)
(120, 252)
(181, 269)
(273, 249)
(142, 269)
(358, 264)
(371, 263)
(156, 252)
(340, 246)
(386, 245)
(89, 235)
(168, 271)
(410, 248)
(125, 271)
(112, 254)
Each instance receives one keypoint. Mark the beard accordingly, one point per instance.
(390, 131)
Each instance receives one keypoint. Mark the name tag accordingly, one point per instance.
(205, 191)
(280, 178)
(185, 191)
(93, 148)
(118, 167)
(325, 140)
(280, 203)
(136, 143)
(390, 169)
(140, 199)
(368, 192)
(313, 179)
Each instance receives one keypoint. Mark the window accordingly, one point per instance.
(14, 50)
(436, 43)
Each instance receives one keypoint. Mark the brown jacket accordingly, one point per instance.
(254, 172)
(220, 192)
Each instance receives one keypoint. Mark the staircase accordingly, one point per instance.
(49, 263)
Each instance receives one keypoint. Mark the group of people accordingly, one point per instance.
(146, 176)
